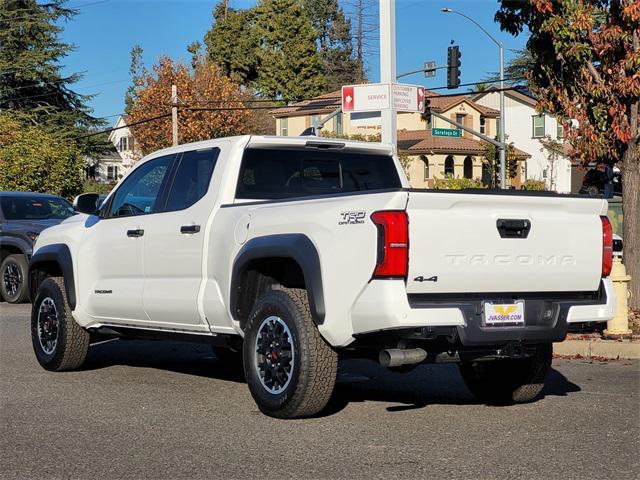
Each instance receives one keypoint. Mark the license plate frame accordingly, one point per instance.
(511, 314)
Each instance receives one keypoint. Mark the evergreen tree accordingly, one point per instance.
(333, 30)
(290, 65)
(138, 73)
(232, 44)
(32, 83)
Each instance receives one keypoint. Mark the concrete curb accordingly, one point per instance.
(607, 349)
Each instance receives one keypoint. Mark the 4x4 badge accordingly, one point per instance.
(422, 279)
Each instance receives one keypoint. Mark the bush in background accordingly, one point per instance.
(451, 183)
(91, 186)
(35, 160)
(534, 185)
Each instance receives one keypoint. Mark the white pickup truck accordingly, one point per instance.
(286, 253)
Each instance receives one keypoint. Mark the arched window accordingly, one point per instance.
(425, 159)
(448, 166)
(468, 168)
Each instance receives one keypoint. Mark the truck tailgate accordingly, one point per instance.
(468, 242)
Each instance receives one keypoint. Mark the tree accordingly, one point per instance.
(290, 65)
(33, 159)
(554, 153)
(32, 82)
(203, 87)
(138, 72)
(365, 17)
(492, 161)
(232, 43)
(586, 58)
(333, 31)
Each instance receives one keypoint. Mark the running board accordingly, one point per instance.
(137, 333)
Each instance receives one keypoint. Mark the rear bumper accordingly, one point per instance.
(384, 305)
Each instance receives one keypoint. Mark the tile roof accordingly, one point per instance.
(442, 103)
(421, 141)
(326, 103)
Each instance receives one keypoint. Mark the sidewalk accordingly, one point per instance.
(594, 346)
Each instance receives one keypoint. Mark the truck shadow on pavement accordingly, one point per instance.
(358, 380)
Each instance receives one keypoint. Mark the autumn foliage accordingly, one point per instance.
(201, 86)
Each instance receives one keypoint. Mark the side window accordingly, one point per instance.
(138, 193)
(192, 178)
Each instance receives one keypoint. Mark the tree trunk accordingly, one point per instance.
(631, 234)
(359, 42)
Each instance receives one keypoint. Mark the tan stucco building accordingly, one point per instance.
(429, 157)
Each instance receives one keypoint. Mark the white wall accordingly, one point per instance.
(519, 130)
(129, 157)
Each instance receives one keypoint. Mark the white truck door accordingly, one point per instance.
(174, 243)
(110, 258)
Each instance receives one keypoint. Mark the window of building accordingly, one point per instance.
(139, 192)
(192, 178)
(339, 124)
(425, 159)
(448, 166)
(538, 126)
(284, 127)
(112, 172)
(483, 122)
(460, 118)
(123, 144)
(560, 130)
(468, 167)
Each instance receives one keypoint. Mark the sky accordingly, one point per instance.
(104, 32)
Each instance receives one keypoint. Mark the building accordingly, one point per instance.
(113, 165)
(428, 157)
(525, 127)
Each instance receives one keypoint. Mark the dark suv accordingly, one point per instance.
(23, 216)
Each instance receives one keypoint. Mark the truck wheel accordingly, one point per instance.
(13, 278)
(58, 341)
(504, 382)
(290, 369)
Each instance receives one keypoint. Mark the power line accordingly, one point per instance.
(144, 120)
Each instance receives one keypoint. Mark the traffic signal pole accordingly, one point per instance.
(388, 67)
(502, 153)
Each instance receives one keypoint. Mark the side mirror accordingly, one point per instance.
(86, 203)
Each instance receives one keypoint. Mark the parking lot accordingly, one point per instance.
(171, 410)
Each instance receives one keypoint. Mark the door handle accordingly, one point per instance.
(509, 228)
(135, 233)
(190, 229)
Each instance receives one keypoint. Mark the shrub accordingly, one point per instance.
(35, 160)
(451, 183)
(534, 185)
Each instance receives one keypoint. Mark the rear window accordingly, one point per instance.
(285, 173)
(35, 208)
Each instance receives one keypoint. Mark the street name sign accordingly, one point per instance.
(372, 97)
(445, 132)
(429, 69)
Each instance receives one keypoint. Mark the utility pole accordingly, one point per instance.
(388, 67)
(503, 161)
(174, 114)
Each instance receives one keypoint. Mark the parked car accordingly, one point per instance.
(23, 216)
(594, 182)
(285, 252)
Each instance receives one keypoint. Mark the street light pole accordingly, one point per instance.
(502, 153)
(388, 67)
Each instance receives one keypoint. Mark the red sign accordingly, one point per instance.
(347, 99)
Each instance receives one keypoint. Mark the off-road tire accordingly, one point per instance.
(18, 261)
(72, 344)
(315, 368)
(508, 381)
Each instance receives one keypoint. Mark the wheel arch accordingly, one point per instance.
(52, 261)
(13, 246)
(290, 260)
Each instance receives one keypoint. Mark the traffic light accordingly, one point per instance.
(513, 168)
(453, 64)
(427, 110)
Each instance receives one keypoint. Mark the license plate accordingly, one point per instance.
(504, 314)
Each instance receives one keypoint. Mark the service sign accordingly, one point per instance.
(372, 97)
(369, 97)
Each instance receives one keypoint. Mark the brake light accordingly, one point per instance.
(393, 244)
(607, 246)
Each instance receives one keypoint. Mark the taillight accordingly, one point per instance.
(393, 244)
(607, 246)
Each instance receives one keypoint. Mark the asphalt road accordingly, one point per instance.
(171, 410)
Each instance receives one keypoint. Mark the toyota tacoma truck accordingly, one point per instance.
(285, 254)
